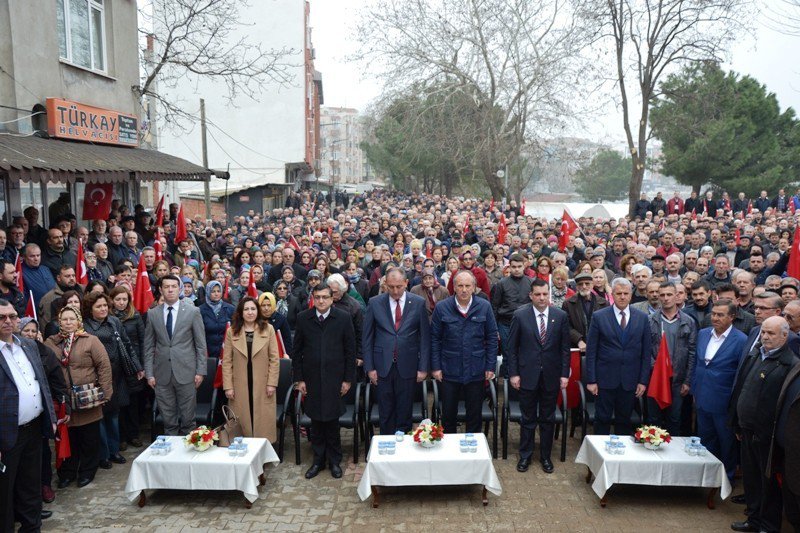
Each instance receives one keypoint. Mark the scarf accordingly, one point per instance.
(69, 338)
(216, 307)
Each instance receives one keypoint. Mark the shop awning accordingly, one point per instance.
(35, 159)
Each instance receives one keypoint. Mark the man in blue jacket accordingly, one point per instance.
(718, 352)
(618, 352)
(463, 351)
(396, 348)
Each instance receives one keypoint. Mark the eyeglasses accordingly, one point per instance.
(12, 317)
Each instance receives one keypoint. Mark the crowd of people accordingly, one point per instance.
(394, 288)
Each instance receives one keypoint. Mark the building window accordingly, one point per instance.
(81, 33)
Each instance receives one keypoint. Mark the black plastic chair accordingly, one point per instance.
(206, 401)
(588, 408)
(513, 413)
(489, 413)
(372, 417)
(284, 410)
(351, 419)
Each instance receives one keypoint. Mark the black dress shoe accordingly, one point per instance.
(123, 446)
(82, 482)
(336, 471)
(744, 526)
(46, 514)
(739, 498)
(523, 464)
(64, 483)
(117, 458)
(105, 464)
(136, 443)
(547, 466)
(314, 470)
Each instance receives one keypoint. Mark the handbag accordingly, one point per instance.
(86, 396)
(129, 365)
(231, 429)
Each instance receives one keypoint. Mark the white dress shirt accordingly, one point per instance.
(714, 344)
(30, 393)
(325, 316)
(393, 304)
(464, 310)
(537, 314)
(618, 314)
(175, 307)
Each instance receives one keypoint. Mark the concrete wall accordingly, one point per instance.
(29, 52)
(272, 128)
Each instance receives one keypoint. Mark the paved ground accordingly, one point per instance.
(533, 501)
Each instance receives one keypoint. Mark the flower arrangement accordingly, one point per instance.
(201, 439)
(428, 434)
(653, 437)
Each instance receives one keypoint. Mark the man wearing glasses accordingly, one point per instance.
(26, 415)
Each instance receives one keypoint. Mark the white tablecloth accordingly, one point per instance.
(444, 464)
(670, 467)
(185, 469)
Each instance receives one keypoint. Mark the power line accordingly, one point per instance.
(241, 143)
(235, 161)
(23, 118)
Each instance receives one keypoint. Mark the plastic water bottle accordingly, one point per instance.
(473, 446)
(156, 448)
(381, 448)
(391, 448)
(398, 436)
(463, 445)
(233, 449)
(702, 451)
(242, 449)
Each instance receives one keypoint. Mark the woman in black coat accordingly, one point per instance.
(134, 327)
(287, 303)
(99, 321)
(266, 304)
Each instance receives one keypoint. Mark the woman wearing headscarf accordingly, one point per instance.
(102, 324)
(286, 303)
(216, 315)
(250, 370)
(431, 290)
(268, 307)
(84, 360)
(132, 321)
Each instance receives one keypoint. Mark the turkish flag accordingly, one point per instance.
(522, 207)
(466, 225)
(491, 205)
(573, 387)
(660, 388)
(750, 207)
(143, 294)
(502, 230)
(793, 269)
(568, 227)
(20, 279)
(293, 243)
(252, 292)
(160, 212)
(97, 199)
(180, 227)
(30, 308)
(81, 272)
(226, 292)
(281, 345)
(63, 450)
(218, 373)
(738, 235)
(159, 250)
(694, 214)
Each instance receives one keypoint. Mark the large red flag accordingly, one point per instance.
(293, 243)
(30, 308)
(502, 229)
(660, 388)
(20, 279)
(63, 450)
(180, 227)
(160, 212)
(157, 247)
(142, 294)
(218, 373)
(81, 272)
(568, 227)
(793, 269)
(97, 199)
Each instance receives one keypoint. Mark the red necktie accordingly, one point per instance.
(398, 315)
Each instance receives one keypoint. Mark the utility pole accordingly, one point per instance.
(207, 182)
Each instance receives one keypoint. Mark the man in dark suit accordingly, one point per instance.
(785, 450)
(324, 367)
(618, 352)
(175, 357)
(753, 405)
(580, 309)
(718, 351)
(26, 416)
(463, 351)
(538, 367)
(396, 349)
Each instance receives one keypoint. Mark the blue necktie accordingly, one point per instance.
(169, 322)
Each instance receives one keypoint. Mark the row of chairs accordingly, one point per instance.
(363, 417)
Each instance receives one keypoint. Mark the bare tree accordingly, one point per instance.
(203, 38)
(650, 38)
(516, 60)
(783, 16)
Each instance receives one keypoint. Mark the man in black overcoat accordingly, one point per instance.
(323, 363)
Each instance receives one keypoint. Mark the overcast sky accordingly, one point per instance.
(768, 56)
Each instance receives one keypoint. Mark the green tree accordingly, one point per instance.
(720, 129)
(605, 178)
